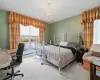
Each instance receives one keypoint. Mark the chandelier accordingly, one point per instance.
(48, 11)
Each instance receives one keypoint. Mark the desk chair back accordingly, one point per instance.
(19, 53)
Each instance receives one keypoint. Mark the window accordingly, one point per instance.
(29, 30)
(96, 33)
(28, 35)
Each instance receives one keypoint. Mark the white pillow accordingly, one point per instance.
(63, 43)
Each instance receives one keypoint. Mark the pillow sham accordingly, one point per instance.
(63, 43)
(97, 54)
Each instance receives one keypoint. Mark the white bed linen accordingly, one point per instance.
(59, 59)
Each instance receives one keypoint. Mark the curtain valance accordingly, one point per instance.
(24, 20)
(90, 15)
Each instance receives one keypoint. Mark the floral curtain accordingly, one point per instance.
(87, 21)
(15, 20)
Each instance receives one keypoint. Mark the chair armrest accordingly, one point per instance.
(87, 54)
(14, 58)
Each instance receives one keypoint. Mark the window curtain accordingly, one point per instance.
(41, 31)
(87, 21)
(15, 20)
(14, 32)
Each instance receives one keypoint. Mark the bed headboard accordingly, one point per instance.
(66, 38)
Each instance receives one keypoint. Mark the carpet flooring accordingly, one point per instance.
(33, 70)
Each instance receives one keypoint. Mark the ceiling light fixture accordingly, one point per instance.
(48, 11)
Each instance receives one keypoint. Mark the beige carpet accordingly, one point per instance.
(33, 70)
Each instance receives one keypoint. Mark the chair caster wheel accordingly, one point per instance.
(22, 75)
(42, 63)
(8, 74)
(18, 71)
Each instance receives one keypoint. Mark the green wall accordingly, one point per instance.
(47, 33)
(4, 35)
(70, 26)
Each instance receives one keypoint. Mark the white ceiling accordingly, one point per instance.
(61, 9)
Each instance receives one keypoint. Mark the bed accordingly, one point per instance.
(60, 53)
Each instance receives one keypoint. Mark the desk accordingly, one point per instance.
(5, 59)
(12, 52)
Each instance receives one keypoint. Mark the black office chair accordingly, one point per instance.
(16, 60)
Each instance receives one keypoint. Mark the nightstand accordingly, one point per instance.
(79, 54)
